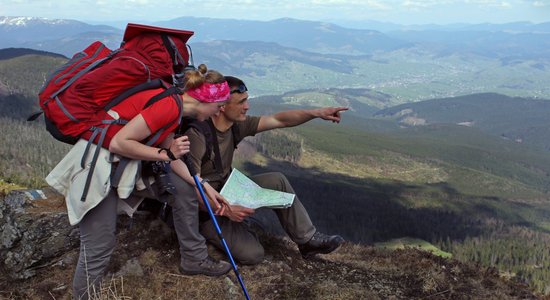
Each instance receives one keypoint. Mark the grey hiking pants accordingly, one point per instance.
(243, 243)
(98, 235)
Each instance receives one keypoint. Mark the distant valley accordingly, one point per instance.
(408, 64)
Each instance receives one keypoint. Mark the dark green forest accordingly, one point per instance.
(486, 199)
(509, 235)
(489, 112)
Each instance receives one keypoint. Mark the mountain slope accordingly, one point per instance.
(307, 35)
(30, 29)
(144, 266)
(429, 65)
(499, 44)
(21, 78)
(519, 119)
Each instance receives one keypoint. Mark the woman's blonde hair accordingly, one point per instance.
(195, 78)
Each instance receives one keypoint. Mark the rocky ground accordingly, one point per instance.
(144, 266)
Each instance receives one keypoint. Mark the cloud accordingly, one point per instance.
(368, 3)
(400, 11)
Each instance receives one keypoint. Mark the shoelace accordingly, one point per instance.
(320, 237)
(209, 263)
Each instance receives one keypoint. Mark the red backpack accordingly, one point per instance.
(77, 96)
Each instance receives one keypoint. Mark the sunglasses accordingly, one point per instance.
(240, 89)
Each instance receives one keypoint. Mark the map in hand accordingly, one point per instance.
(241, 190)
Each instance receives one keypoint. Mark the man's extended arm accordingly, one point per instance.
(296, 117)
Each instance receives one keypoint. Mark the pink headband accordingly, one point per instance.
(210, 92)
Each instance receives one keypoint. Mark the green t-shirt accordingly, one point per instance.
(207, 169)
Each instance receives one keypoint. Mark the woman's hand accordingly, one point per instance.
(238, 213)
(217, 202)
(180, 146)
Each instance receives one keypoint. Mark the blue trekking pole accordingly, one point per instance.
(213, 217)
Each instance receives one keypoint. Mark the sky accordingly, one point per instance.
(404, 12)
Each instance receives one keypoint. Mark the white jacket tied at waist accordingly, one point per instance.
(69, 179)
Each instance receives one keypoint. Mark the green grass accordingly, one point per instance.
(408, 242)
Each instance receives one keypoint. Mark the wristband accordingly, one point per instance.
(204, 180)
(169, 153)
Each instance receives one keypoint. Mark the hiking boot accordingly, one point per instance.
(320, 244)
(207, 266)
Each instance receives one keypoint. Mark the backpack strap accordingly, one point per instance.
(172, 49)
(174, 93)
(117, 174)
(103, 132)
(236, 133)
(173, 90)
(148, 85)
(215, 145)
(203, 128)
(209, 131)
(85, 70)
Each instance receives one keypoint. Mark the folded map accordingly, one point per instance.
(241, 190)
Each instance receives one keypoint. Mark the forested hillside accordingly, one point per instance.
(524, 120)
(24, 75)
(28, 152)
(477, 213)
(472, 193)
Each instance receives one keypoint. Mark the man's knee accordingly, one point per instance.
(251, 256)
(273, 180)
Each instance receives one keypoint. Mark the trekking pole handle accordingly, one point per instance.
(187, 160)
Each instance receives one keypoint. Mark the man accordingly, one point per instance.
(244, 244)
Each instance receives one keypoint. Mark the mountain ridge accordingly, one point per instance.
(9, 53)
(415, 65)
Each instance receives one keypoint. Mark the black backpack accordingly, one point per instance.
(207, 129)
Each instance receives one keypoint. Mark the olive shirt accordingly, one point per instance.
(242, 241)
(207, 170)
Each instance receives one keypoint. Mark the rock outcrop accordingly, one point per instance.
(34, 230)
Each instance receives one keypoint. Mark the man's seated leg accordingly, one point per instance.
(295, 219)
(193, 250)
(241, 240)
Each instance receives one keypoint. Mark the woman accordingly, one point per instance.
(205, 92)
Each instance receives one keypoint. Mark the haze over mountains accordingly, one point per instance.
(314, 36)
(401, 61)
